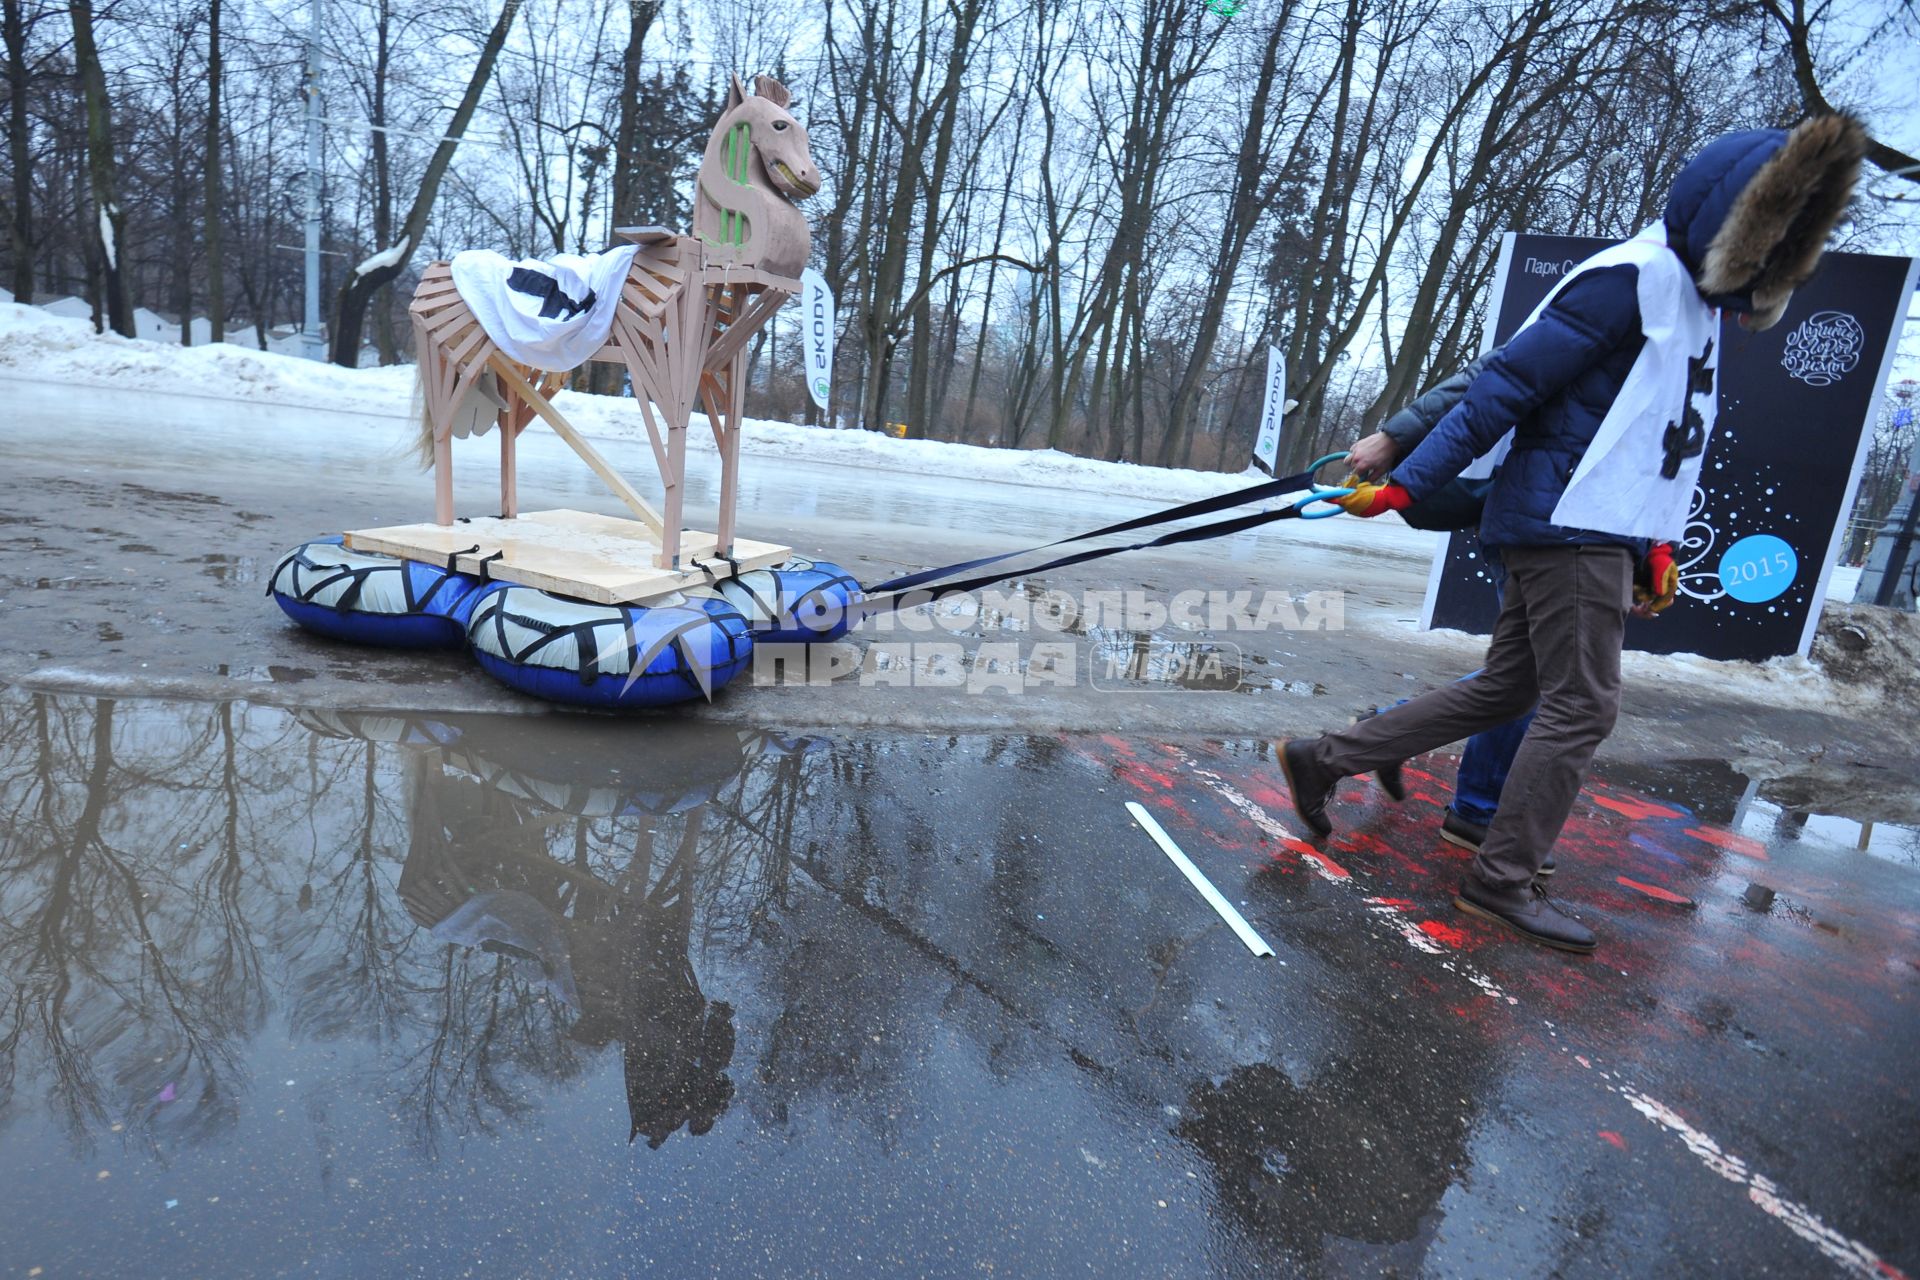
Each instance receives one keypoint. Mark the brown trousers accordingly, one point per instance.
(1557, 641)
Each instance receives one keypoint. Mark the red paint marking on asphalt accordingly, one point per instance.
(1638, 810)
(1403, 904)
(1301, 849)
(1614, 1138)
(1655, 891)
(1377, 847)
(1444, 933)
(1140, 775)
(1326, 864)
(1745, 846)
(1267, 796)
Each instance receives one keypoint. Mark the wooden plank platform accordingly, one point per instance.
(603, 559)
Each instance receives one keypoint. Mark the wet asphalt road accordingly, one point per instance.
(322, 994)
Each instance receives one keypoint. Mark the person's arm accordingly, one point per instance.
(1593, 315)
(1416, 422)
(1373, 456)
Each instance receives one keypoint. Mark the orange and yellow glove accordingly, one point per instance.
(1658, 580)
(1368, 500)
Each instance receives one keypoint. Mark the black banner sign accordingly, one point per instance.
(1781, 469)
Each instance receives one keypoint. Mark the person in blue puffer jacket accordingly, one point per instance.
(1746, 222)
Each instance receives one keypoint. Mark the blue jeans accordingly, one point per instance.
(1488, 756)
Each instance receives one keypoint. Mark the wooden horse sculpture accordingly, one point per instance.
(688, 307)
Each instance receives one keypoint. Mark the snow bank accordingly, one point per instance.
(36, 344)
(59, 349)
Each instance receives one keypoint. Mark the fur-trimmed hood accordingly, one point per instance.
(1750, 215)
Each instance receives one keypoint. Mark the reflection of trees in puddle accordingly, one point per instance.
(130, 970)
(564, 873)
(175, 877)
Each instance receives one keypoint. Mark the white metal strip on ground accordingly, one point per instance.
(1255, 943)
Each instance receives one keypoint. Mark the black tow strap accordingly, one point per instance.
(902, 588)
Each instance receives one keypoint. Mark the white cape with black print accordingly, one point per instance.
(1637, 477)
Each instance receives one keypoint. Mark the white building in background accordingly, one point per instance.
(153, 327)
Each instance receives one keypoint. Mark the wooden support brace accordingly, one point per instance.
(578, 443)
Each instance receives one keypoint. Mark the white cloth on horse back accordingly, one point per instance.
(550, 314)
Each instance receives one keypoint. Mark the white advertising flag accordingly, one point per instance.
(1266, 446)
(816, 324)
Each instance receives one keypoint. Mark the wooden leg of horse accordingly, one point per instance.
(672, 520)
(443, 477)
(509, 480)
(731, 415)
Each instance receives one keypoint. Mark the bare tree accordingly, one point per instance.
(350, 309)
(114, 308)
(215, 200)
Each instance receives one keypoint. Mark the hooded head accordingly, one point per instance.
(1751, 213)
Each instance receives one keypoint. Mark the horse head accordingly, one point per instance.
(757, 163)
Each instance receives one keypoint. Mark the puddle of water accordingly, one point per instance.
(1709, 789)
(245, 849)
(1715, 791)
(1892, 841)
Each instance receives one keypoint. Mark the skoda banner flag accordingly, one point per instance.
(1266, 445)
(1768, 515)
(816, 326)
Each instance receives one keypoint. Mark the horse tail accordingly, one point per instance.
(423, 441)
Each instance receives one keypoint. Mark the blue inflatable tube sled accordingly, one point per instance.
(674, 648)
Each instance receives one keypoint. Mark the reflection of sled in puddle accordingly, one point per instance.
(605, 937)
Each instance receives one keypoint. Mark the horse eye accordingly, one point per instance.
(779, 125)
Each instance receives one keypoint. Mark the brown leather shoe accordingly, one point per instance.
(1528, 912)
(1308, 786)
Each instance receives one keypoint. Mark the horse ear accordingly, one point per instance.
(772, 90)
(736, 92)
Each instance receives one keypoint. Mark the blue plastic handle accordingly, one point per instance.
(1321, 495)
(1320, 462)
